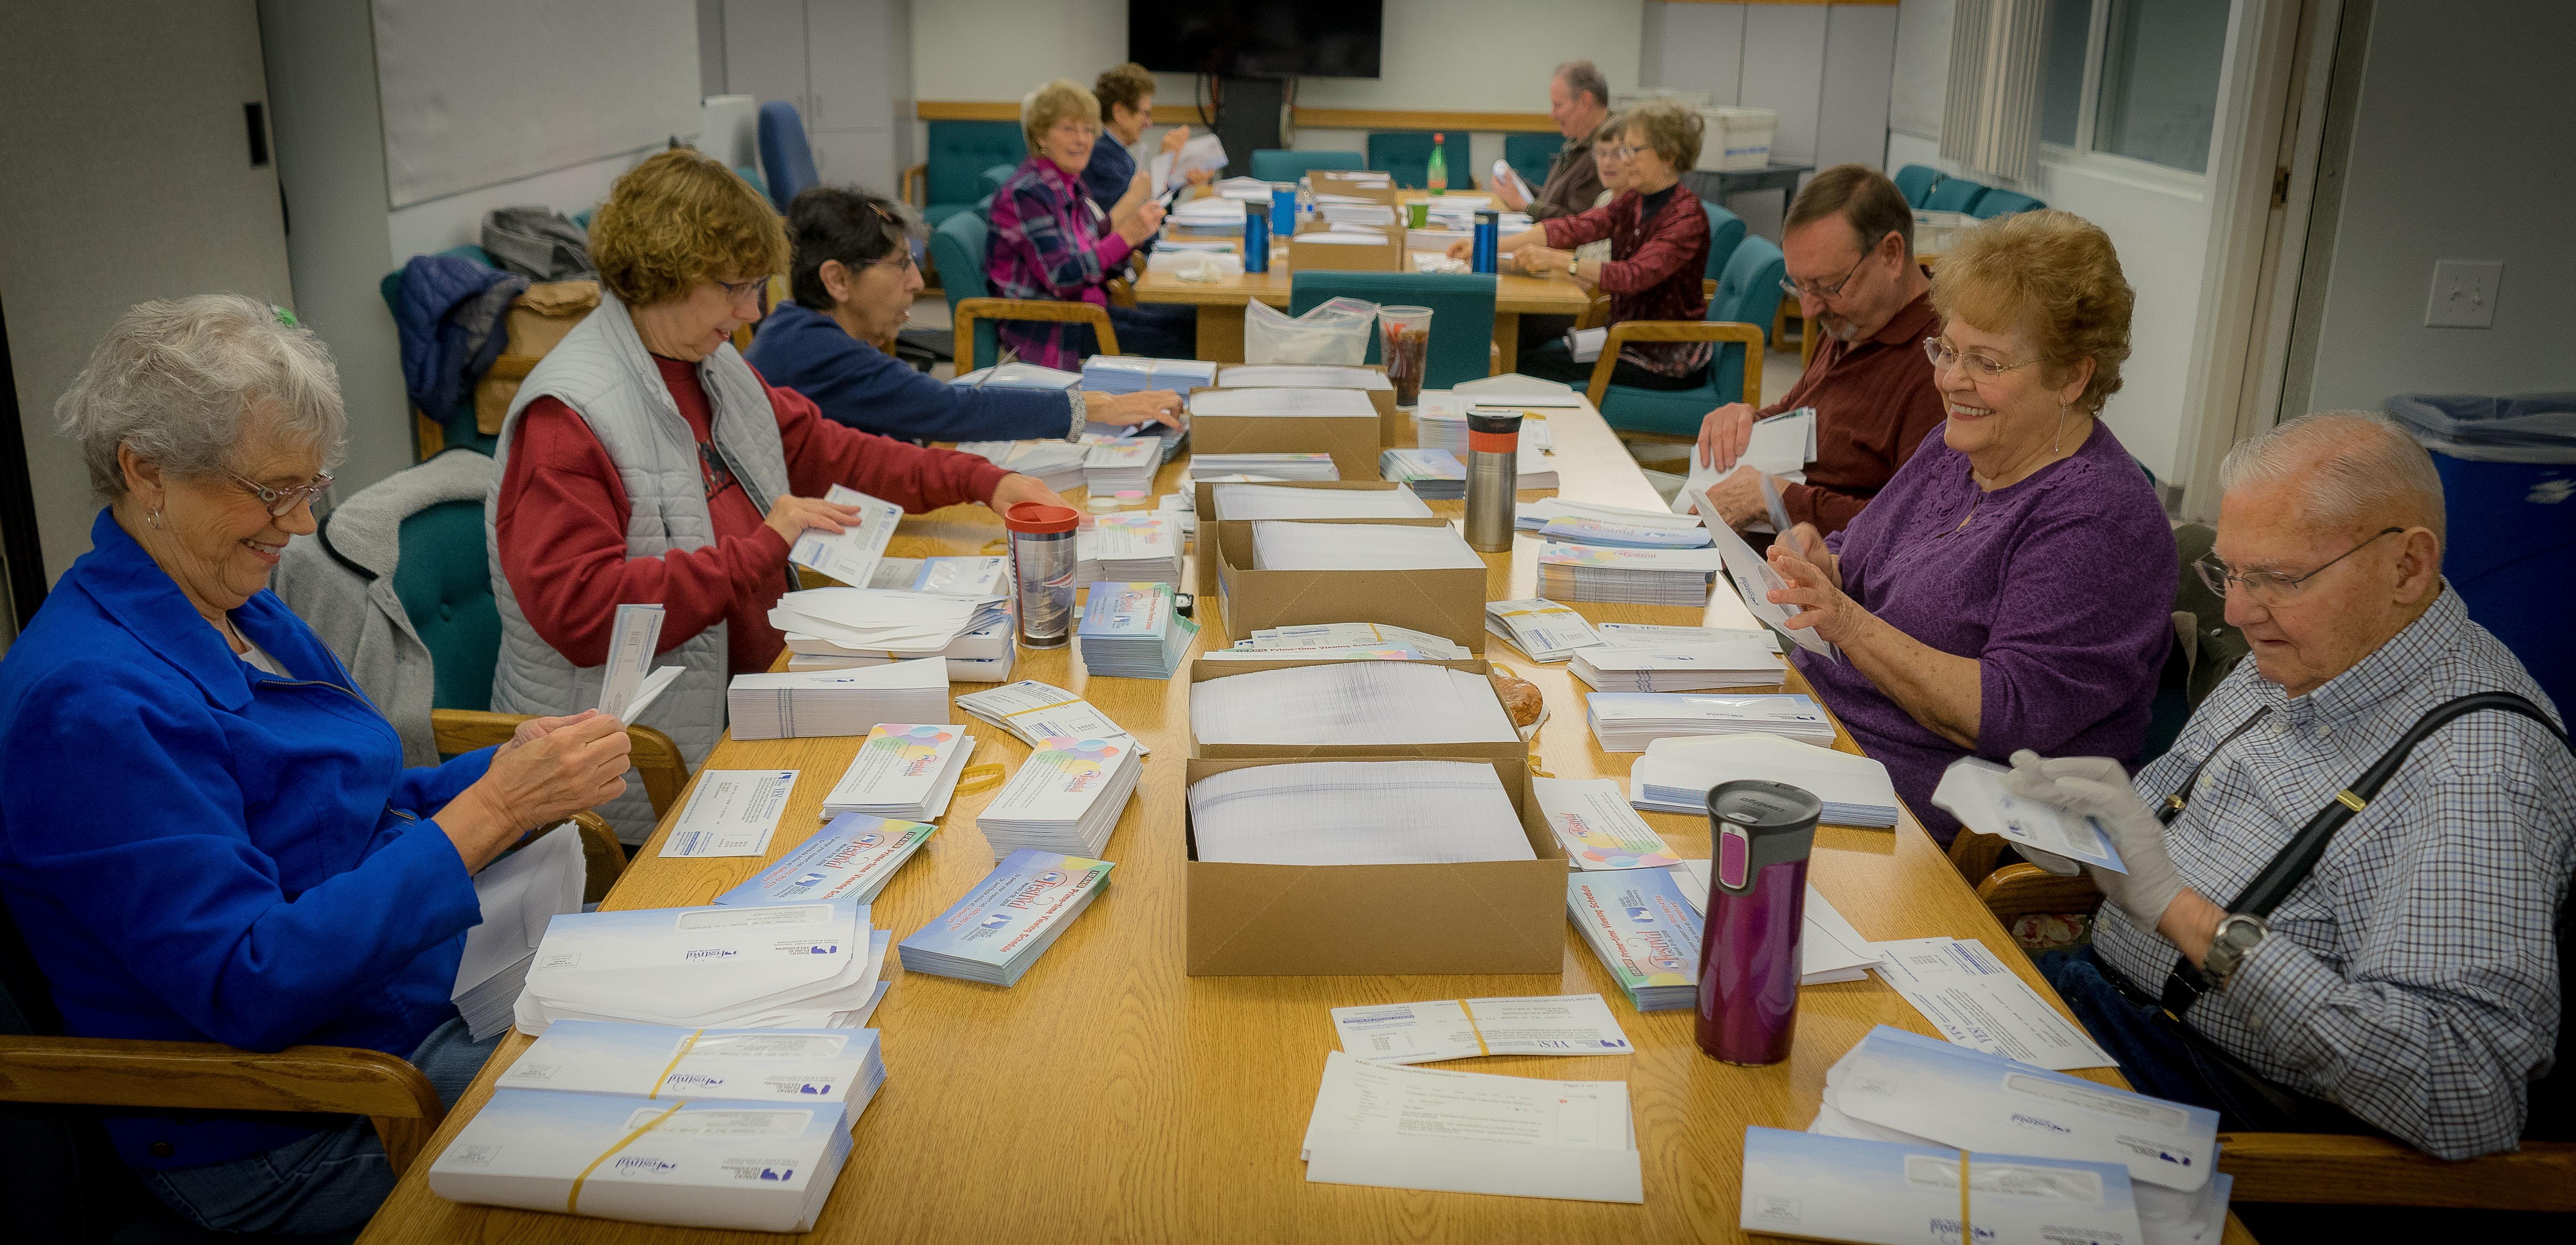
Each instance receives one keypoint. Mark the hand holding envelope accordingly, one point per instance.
(2098, 788)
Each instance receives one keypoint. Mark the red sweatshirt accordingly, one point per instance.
(563, 512)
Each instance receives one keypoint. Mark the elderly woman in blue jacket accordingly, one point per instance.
(206, 831)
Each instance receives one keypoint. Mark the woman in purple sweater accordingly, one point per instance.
(2013, 586)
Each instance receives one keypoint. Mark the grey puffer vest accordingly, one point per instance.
(602, 371)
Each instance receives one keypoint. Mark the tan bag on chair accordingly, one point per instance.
(538, 319)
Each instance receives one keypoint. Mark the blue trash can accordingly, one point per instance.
(2508, 469)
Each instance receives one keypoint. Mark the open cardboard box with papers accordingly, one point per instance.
(1305, 254)
(1389, 424)
(1204, 508)
(1490, 916)
(1447, 602)
(1203, 669)
(1352, 441)
(1357, 183)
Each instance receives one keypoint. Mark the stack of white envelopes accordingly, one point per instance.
(1676, 775)
(1279, 545)
(1065, 798)
(1631, 576)
(1056, 464)
(1111, 467)
(1534, 516)
(1298, 640)
(1681, 668)
(836, 702)
(904, 770)
(1270, 501)
(1540, 628)
(1356, 813)
(1132, 545)
(996, 933)
(1466, 1132)
(777, 966)
(881, 622)
(1358, 702)
(519, 894)
(1628, 721)
(1274, 465)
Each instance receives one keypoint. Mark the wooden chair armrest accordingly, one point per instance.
(973, 309)
(1975, 855)
(204, 1076)
(1121, 294)
(911, 181)
(657, 760)
(1680, 331)
(603, 857)
(2021, 888)
(2374, 1171)
(1595, 315)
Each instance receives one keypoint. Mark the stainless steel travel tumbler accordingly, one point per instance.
(1042, 565)
(1493, 477)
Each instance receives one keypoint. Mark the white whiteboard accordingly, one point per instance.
(480, 92)
(1922, 78)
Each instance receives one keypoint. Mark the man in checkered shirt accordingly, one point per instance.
(2412, 980)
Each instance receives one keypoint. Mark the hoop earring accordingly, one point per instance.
(153, 517)
(2054, 446)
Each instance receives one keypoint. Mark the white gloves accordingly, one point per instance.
(2098, 788)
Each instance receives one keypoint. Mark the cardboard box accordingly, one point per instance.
(1389, 423)
(1352, 442)
(1491, 916)
(1204, 582)
(1446, 603)
(1304, 256)
(1203, 669)
(1357, 183)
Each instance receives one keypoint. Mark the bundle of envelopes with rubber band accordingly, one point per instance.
(778, 966)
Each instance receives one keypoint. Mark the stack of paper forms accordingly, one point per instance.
(1131, 545)
(1272, 465)
(1541, 629)
(1066, 797)
(879, 622)
(1693, 668)
(1628, 721)
(1111, 467)
(519, 894)
(1464, 1132)
(1436, 474)
(1278, 545)
(836, 702)
(1356, 813)
(1261, 501)
(1390, 702)
(1133, 631)
(1633, 576)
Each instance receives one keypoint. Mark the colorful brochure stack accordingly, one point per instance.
(1903, 1088)
(1632, 576)
(852, 857)
(1034, 712)
(1133, 631)
(1541, 629)
(1643, 929)
(1693, 668)
(1066, 797)
(1676, 775)
(1001, 927)
(705, 1163)
(1434, 474)
(1111, 467)
(836, 702)
(808, 965)
(1265, 466)
(1881, 1193)
(903, 770)
(1628, 721)
(1597, 828)
(1056, 464)
(1618, 535)
(1131, 545)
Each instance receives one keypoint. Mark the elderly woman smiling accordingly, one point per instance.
(644, 462)
(1051, 242)
(2013, 585)
(206, 831)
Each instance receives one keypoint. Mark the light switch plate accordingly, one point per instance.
(2464, 294)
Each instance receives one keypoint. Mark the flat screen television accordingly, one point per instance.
(1257, 38)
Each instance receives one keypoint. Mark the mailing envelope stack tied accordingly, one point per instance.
(771, 966)
(1828, 1188)
(779, 1067)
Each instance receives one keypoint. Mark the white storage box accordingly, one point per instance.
(1737, 138)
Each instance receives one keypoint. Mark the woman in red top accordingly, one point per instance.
(1658, 252)
(685, 247)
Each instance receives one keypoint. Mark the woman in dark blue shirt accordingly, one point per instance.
(206, 831)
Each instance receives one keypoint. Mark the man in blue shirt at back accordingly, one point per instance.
(852, 277)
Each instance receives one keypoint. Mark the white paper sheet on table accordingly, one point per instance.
(1974, 1000)
(1973, 790)
(1462, 1132)
(731, 812)
(849, 555)
(1754, 580)
(1409, 1033)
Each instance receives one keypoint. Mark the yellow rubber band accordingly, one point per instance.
(1538, 768)
(1470, 1014)
(572, 1204)
(1043, 708)
(1966, 1233)
(667, 1068)
(2351, 801)
(979, 778)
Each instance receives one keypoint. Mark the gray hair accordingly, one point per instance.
(2355, 464)
(1583, 75)
(175, 378)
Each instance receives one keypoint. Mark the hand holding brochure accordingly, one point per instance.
(1973, 790)
(849, 555)
(1407, 1033)
(1754, 581)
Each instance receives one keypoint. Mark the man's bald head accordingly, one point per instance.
(2353, 470)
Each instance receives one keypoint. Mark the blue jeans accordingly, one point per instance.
(328, 1182)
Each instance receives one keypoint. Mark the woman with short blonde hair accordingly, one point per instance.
(2012, 586)
(1052, 241)
(643, 462)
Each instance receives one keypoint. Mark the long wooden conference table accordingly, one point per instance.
(1110, 1097)
(1221, 304)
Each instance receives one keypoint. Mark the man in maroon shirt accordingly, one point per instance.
(1849, 240)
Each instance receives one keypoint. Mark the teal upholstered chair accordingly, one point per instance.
(1739, 316)
(1955, 194)
(1462, 314)
(1279, 164)
(1531, 154)
(1405, 155)
(454, 427)
(957, 247)
(2000, 202)
(445, 587)
(1915, 182)
(1725, 233)
(945, 183)
(989, 183)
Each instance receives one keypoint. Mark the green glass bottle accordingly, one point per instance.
(1437, 176)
